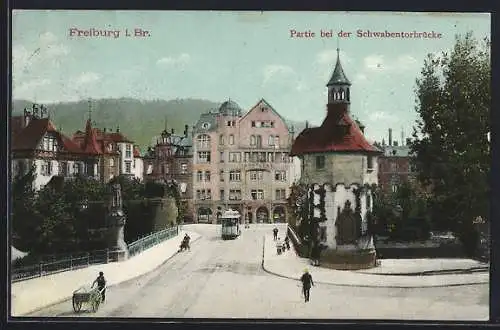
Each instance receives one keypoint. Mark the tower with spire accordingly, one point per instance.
(338, 85)
(339, 169)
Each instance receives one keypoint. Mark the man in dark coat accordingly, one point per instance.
(307, 282)
(101, 285)
(275, 233)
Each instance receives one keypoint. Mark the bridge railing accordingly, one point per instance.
(151, 240)
(59, 264)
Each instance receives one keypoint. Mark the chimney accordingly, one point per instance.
(173, 131)
(117, 129)
(186, 130)
(307, 124)
(27, 117)
(390, 136)
(104, 130)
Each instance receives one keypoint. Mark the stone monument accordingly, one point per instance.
(115, 222)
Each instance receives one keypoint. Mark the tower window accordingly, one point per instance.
(320, 162)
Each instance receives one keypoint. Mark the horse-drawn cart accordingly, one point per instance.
(90, 297)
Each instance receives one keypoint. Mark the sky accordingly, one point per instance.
(244, 56)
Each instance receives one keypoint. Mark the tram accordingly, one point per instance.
(230, 220)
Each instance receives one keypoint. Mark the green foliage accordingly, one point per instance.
(298, 207)
(450, 140)
(23, 218)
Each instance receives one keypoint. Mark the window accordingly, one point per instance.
(234, 194)
(234, 157)
(46, 168)
(63, 168)
(112, 162)
(221, 156)
(256, 175)
(258, 141)
(231, 139)
(271, 140)
(370, 163)
(322, 233)
(262, 157)
(320, 162)
(253, 123)
(128, 167)
(253, 194)
(199, 176)
(280, 176)
(272, 124)
(207, 176)
(260, 194)
(203, 141)
(235, 175)
(270, 157)
(221, 140)
(247, 157)
(134, 162)
(166, 168)
(222, 196)
(394, 188)
(204, 156)
(128, 151)
(77, 168)
(204, 194)
(277, 141)
(221, 175)
(280, 194)
(368, 202)
(228, 123)
(184, 168)
(252, 140)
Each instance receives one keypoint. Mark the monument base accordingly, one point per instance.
(349, 259)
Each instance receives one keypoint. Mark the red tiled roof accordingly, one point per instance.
(117, 137)
(16, 124)
(331, 136)
(29, 138)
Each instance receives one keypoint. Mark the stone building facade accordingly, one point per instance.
(339, 169)
(241, 162)
(395, 165)
(171, 159)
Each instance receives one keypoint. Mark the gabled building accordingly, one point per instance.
(118, 154)
(241, 162)
(37, 143)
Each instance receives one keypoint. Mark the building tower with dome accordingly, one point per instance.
(339, 168)
(241, 162)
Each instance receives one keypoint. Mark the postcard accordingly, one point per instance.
(250, 165)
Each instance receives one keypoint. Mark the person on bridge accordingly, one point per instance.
(101, 285)
(275, 233)
(287, 242)
(307, 282)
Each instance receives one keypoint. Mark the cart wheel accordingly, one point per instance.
(77, 305)
(95, 305)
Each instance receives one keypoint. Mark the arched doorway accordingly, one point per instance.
(204, 214)
(262, 214)
(279, 214)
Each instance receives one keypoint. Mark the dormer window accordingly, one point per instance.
(369, 163)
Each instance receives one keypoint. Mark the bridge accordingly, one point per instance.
(245, 278)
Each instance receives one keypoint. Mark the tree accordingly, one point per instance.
(23, 216)
(450, 139)
(298, 207)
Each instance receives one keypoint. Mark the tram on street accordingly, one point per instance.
(230, 221)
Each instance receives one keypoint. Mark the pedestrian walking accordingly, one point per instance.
(275, 233)
(287, 243)
(279, 247)
(101, 285)
(307, 282)
(315, 254)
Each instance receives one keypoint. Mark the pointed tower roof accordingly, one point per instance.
(338, 76)
(90, 143)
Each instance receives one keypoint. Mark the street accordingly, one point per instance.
(224, 279)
